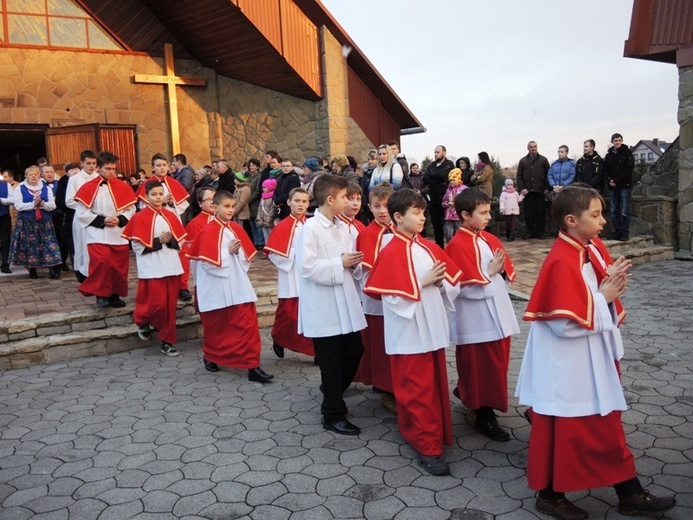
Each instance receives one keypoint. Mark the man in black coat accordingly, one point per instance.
(590, 167)
(287, 181)
(618, 170)
(533, 183)
(226, 179)
(436, 178)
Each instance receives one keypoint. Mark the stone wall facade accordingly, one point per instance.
(685, 178)
(226, 118)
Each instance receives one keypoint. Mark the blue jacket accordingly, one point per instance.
(562, 173)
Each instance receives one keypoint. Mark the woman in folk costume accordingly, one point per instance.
(156, 234)
(34, 243)
(570, 374)
(280, 249)
(225, 296)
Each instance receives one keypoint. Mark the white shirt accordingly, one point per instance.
(227, 285)
(413, 327)
(482, 312)
(569, 371)
(81, 259)
(103, 205)
(157, 264)
(18, 197)
(329, 303)
(288, 277)
(371, 306)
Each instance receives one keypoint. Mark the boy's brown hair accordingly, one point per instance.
(573, 200)
(401, 200)
(222, 195)
(298, 190)
(202, 191)
(382, 191)
(328, 186)
(354, 189)
(468, 200)
(158, 156)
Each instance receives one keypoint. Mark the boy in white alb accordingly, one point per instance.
(329, 309)
(484, 316)
(570, 370)
(156, 234)
(409, 275)
(225, 296)
(80, 262)
(348, 216)
(104, 206)
(280, 248)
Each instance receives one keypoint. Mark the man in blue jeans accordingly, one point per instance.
(618, 170)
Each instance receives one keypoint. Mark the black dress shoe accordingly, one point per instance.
(185, 295)
(279, 351)
(5, 269)
(116, 302)
(210, 366)
(64, 267)
(643, 502)
(80, 277)
(490, 429)
(102, 303)
(343, 427)
(32, 273)
(434, 464)
(258, 375)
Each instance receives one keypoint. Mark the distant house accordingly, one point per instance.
(649, 150)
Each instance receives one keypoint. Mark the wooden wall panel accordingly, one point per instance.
(369, 113)
(122, 142)
(265, 15)
(301, 45)
(64, 144)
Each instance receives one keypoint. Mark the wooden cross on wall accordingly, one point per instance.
(170, 80)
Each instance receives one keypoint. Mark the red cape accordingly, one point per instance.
(196, 225)
(561, 291)
(352, 222)
(121, 194)
(141, 226)
(393, 273)
(282, 236)
(178, 193)
(464, 251)
(369, 241)
(207, 245)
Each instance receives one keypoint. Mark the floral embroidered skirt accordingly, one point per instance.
(33, 242)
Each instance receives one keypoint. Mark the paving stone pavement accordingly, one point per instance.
(140, 436)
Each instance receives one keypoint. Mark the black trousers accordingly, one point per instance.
(535, 213)
(5, 236)
(438, 220)
(59, 225)
(338, 358)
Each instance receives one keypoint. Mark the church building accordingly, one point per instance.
(211, 79)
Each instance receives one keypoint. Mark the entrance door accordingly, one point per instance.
(65, 143)
(21, 146)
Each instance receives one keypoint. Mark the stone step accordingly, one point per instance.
(643, 255)
(616, 247)
(60, 336)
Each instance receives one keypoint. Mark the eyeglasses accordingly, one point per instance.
(207, 200)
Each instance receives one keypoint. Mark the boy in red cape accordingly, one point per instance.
(280, 249)
(375, 364)
(104, 206)
(484, 317)
(156, 235)
(176, 197)
(225, 296)
(570, 373)
(409, 276)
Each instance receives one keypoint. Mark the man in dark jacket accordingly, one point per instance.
(533, 183)
(226, 178)
(618, 170)
(184, 172)
(590, 167)
(436, 178)
(287, 181)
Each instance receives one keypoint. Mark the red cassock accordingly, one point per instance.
(420, 380)
(109, 263)
(231, 334)
(156, 299)
(285, 328)
(193, 228)
(482, 368)
(374, 368)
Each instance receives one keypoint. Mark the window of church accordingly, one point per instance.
(59, 24)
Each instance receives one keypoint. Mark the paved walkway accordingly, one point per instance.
(140, 436)
(21, 297)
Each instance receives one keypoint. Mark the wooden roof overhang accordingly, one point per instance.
(661, 30)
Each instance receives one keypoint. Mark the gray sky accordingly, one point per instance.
(491, 75)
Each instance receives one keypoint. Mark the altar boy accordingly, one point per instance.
(225, 296)
(281, 251)
(104, 206)
(329, 308)
(570, 369)
(156, 235)
(409, 275)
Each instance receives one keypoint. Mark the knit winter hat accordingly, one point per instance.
(312, 164)
(341, 160)
(241, 177)
(270, 184)
(455, 175)
(509, 182)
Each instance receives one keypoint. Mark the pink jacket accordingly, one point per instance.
(509, 202)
